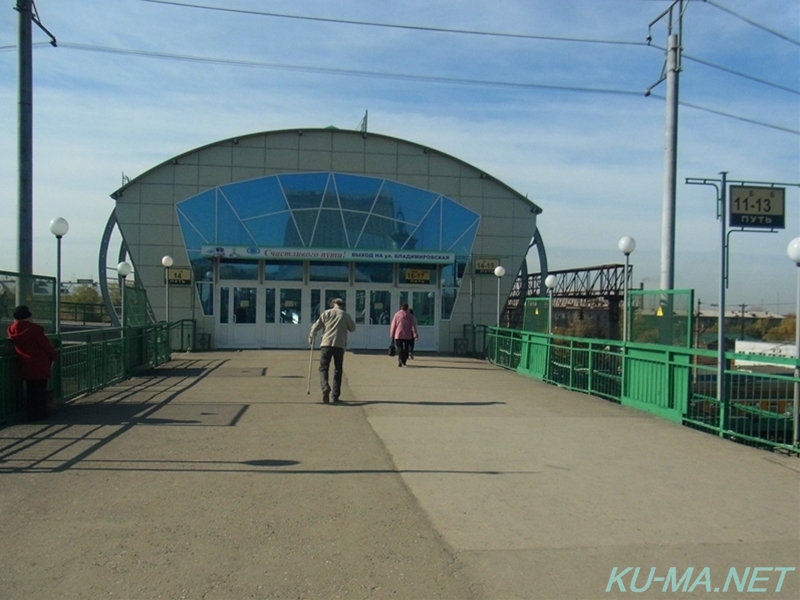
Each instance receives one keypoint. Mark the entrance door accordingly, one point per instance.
(292, 327)
(425, 307)
(237, 317)
(376, 314)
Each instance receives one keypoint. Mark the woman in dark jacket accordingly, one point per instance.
(36, 355)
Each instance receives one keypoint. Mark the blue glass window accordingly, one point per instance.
(326, 210)
(201, 213)
(283, 271)
(275, 230)
(255, 198)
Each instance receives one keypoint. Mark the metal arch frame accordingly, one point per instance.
(515, 303)
(102, 268)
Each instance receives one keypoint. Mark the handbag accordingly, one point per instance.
(392, 349)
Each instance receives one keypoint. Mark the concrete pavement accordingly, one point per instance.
(216, 476)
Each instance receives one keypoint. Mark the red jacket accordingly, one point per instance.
(36, 353)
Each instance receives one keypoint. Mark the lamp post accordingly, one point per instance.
(123, 270)
(499, 271)
(550, 281)
(626, 246)
(59, 228)
(167, 262)
(793, 250)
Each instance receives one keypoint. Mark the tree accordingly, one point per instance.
(85, 294)
(783, 332)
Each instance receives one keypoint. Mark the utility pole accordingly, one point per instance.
(670, 73)
(27, 16)
(741, 334)
(25, 142)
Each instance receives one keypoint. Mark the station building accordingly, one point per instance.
(266, 229)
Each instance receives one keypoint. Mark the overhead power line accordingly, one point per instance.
(349, 72)
(398, 25)
(753, 23)
(732, 116)
(397, 76)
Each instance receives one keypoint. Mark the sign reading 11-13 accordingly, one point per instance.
(757, 207)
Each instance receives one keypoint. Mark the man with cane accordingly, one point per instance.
(335, 323)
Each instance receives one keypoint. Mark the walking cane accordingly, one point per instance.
(310, 360)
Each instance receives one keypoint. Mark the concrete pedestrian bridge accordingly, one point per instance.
(216, 476)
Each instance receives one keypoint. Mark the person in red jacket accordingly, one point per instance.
(35, 355)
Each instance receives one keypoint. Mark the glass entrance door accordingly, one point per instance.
(425, 307)
(237, 322)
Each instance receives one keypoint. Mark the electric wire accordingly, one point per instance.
(348, 72)
(400, 77)
(753, 23)
(398, 25)
(733, 72)
(732, 116)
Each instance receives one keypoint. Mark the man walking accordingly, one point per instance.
(335, 323)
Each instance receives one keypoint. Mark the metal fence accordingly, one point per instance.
(679, 384)
(90, 360)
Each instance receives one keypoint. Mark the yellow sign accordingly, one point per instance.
(179, 276)
(486, 266)
(418, 276)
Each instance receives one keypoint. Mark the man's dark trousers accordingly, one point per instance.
(326, 353)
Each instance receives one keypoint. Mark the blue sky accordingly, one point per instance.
(592, 161)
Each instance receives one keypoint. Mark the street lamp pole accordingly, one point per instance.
(123, 270)
(59, 228)
(626, 246)
(550, 281)
(499, 271)
(793, 250)
(167, 262)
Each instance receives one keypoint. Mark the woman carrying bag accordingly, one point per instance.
(403, 331)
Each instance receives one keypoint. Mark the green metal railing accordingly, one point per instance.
(89, 360)
(679, 384)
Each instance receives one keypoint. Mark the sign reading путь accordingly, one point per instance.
(757, 207)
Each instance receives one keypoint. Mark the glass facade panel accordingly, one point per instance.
(191, 238)
(329, 231)
(374, 272)
(326, 210)
(224, 304)
(355, 192)
(380, 307)
(455, 221)
(244, 305)
(205, 293)
(255, 198)
(329, 271)
(424, 306)
(304, 190)
(463, 245)
(269, 313)
(245, 270)
(361, 307)
(291, 305)
(230, 229)
(428, 234)
(200, 212)
(275, 231)
(448, 302)
(283, 271)
(453, 274)
(408, 203)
